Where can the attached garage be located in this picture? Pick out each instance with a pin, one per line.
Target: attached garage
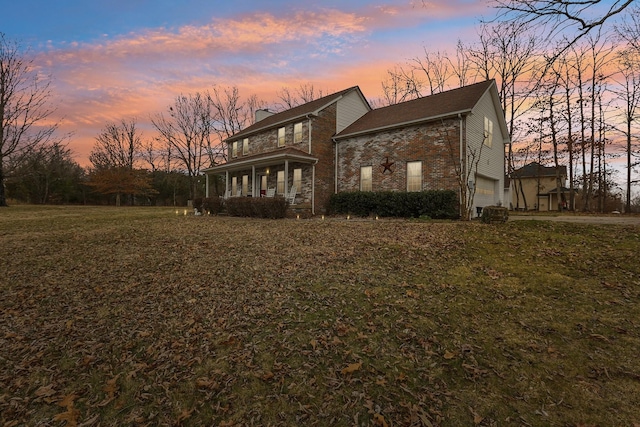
(486, 192)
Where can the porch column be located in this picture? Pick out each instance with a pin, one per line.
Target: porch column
(286, 177)
(206, 188)
(226, 183)
(253, 181)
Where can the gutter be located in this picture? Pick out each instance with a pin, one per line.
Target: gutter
(404, 124)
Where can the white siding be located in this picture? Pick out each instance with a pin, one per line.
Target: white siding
(350, 108)
(490, 172)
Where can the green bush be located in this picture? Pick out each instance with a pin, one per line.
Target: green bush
(441, 204)
(258, 207)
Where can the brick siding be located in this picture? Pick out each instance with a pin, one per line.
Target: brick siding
(437, 145)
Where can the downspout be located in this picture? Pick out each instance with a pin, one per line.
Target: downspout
(463, 169)
(309, 119)
(206, 190)
(335, 164)
(313, 188)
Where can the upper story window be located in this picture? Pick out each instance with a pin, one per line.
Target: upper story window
(366, 183)
(414, 176)
(488, 132)
(234, 149)
(297, 132)
(281, 140)
(245, 146)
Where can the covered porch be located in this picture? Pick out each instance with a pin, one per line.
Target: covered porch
(549, 201)
(286, 172)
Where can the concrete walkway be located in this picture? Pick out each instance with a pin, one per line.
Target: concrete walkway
(583, 219)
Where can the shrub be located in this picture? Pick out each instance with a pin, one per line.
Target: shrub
(258, 207)
(212, 205)
(440, 204)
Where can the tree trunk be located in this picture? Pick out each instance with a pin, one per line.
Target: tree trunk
(3, 197)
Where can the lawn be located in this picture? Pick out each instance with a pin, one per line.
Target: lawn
(139, 316)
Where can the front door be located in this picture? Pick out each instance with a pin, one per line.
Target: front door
(263, 186)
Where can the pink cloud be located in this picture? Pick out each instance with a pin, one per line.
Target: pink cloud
(139, 74)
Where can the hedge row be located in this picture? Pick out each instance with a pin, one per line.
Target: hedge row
(257, 207)
(434, 204)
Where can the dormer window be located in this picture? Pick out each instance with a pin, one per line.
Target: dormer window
(245, 146)
(281, 139)
(297, 133)
(234, 149)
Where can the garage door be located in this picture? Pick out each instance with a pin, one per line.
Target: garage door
(485, 191)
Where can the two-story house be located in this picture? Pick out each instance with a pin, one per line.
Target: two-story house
(450, 140)
(534, 187)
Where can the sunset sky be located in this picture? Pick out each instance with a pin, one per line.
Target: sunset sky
(129, 58)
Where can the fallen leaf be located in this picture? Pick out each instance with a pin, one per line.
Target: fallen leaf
(67, 401)
(379, 420)
(111, 387)
(45, 391)
(448, 355)
(351, 368)
(477, 418)
(70, 416)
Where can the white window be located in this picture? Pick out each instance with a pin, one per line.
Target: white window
(245, 146)
(281, 139)
(488, 132)
(297, 132)
(414, 176)
(234, 149)
(245, 185)
(297, 179)
(365, 178)
(234, 185)
(280, 182)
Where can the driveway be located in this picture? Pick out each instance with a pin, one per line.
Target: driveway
(584, 219)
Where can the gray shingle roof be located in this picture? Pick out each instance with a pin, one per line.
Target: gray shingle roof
(291, 114)
(535, 169)
(461, 100)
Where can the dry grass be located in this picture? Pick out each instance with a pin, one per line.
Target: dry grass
(141, 317)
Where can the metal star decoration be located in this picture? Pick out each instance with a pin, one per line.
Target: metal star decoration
(387, 166)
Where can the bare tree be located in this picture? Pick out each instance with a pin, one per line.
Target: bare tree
(230, 114)
(556, 16)
(289, 98)
(510, 55)
(186, 132)
(400, 85)
(24, 107)
(629, 29)
(117, 145)
(436, 68)
(629, 95)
